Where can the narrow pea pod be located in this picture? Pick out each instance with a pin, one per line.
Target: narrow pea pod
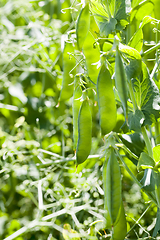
(157, 187)
(76, 107)
(92, 57)
(120, 228)
(121, 81)
(113, 184)
(82, 27)
(69, 63)
(84, 133)
(106, 101)
(107, 215)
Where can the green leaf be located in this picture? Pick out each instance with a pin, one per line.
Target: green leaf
(98, 10)
(156, 153)
(109, 16)
(145, 161)
(136, 40)
(133, 61)
(119, 9)
(107, 27)
(147, 96)
(157, 226)
(148, 180)
(136, 120)
(141, 10)
(134, 142)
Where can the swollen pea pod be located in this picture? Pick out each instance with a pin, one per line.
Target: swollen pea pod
(84, 133)
(76, 107)
(92, 57)
(119, 230)
(69, 63)
(106, 101)
(113, 185)
(82, 27)
(121, 81)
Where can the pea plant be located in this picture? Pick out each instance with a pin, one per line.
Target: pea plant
(111, 73)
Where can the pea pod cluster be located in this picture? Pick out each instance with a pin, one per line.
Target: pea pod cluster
(84, 133)
(106, 101)
(69, 71)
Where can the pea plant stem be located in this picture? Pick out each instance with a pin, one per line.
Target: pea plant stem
(132, 95)
(151, 49)
(147, 141)
(157, 133)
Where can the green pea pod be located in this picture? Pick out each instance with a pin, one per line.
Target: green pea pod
(120, 228)
(113, 183)
(106, 101)
(121, 81)
(84, 133)
(157, 187)
(69, 63)
(82, 27)
(92, 56)
(76, 107)
(107, 215)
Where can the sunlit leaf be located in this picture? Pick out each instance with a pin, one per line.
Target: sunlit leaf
(136, 120)
(145, 161)
(147, 96)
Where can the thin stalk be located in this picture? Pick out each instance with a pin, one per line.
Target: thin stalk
(139, 219)
(127, 150)
(63, 160)
(157, 133)
(147, 141)
(132, 95)
(151, 49)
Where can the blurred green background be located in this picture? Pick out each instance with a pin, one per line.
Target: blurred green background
(41, 192)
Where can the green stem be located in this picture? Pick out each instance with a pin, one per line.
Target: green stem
(127, 150)
(147, 141)
(157, 133)
(132, 95)
(151, 49)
